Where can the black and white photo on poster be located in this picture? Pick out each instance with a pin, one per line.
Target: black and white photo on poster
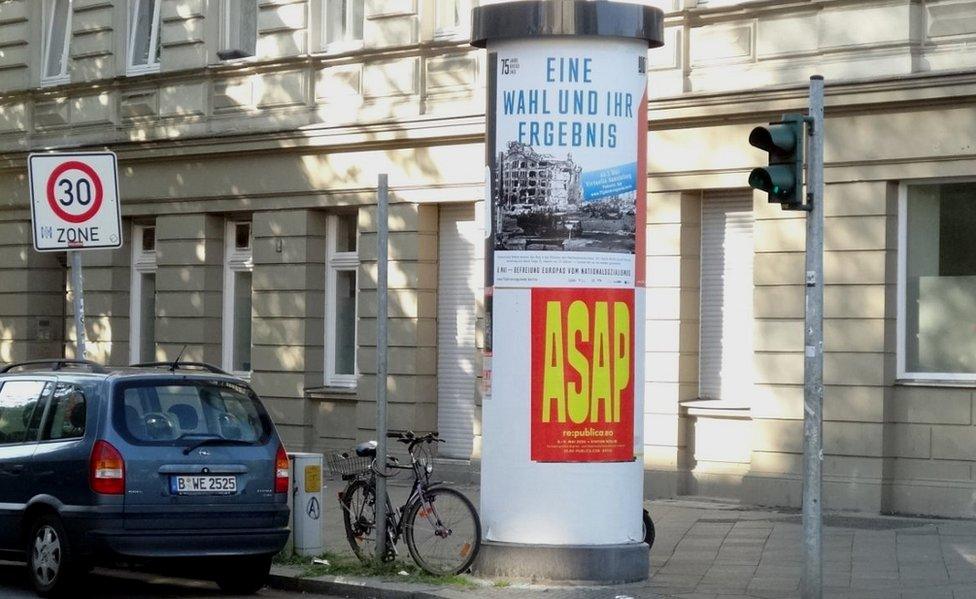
(541, 205)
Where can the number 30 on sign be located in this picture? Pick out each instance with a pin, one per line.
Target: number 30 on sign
(75, 201)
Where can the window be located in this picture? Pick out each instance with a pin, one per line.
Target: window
(342, 262)
(142, 296)
(343, 26)
(180, 414)
(937, 282)
(67, 414)
(239, 29)
(451, 18)
(57, 37)
(19, 411)
(144, 42)
(238, 266)
(726, 294)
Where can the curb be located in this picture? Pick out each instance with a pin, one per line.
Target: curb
(352, 589)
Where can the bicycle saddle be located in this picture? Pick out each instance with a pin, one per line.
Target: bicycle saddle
(366, 449)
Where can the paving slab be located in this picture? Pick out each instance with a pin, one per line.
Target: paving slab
(718, 549)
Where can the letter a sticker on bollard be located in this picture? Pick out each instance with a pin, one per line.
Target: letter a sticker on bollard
(75, 201)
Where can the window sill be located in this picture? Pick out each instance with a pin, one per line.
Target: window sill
(135, 71)
(923, 382)
(344, 393)
(716, 408)
(244, 376)
(451, 35)
(338, 48)
(55, 81)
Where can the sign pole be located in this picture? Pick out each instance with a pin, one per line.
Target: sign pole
(78, 299)
(813, 354)
(382, 236)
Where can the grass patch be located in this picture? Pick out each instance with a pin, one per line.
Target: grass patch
(349, 565)
(501, 584)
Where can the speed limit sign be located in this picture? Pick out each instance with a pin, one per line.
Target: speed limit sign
(75, 201)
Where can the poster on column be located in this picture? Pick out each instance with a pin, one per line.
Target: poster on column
(582, 379)
(569, 163)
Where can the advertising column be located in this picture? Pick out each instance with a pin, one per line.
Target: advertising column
(566, 144)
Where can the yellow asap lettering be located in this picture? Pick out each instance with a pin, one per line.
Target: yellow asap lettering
(603, 373)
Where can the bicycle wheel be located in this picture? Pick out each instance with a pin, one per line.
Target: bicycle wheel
(359, 517)
(648, 529)
(443, 534)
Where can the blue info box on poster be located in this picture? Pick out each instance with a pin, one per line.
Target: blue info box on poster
(609, 182)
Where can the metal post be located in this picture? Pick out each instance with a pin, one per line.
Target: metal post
(78, 299)
(382, 237)
(813, 355)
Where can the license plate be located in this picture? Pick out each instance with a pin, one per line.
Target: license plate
(203, 485)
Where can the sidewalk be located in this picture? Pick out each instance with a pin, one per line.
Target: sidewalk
(707, 549)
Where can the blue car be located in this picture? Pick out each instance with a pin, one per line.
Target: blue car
(175, 461)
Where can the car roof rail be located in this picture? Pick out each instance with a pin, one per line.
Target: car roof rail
(56, 364)
(174, 366)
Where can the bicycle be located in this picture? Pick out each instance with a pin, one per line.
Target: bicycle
(440, 525)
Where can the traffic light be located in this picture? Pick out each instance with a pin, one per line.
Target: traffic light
(783, 178)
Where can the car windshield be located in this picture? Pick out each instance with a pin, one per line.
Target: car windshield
(186, 412)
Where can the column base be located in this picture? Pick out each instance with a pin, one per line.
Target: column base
(596, 564)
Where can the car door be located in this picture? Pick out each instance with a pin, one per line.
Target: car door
(59, 465)
(21, 406)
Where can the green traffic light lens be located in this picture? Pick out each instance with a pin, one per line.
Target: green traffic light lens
(759, 179)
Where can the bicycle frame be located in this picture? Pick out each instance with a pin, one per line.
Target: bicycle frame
(421, 483)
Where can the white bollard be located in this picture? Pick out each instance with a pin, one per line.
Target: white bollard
(306, 503)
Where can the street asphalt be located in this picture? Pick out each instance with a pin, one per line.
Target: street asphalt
(119, 584)
(705, 549)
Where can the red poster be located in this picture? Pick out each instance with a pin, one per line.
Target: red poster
(582, 375)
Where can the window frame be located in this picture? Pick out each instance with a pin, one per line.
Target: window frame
(903, 375)
(229, 30)
(236, 260)
(335, 262)
(143, 263)
(152, 61)
(343, 45)
(456, 32)
(47, 20)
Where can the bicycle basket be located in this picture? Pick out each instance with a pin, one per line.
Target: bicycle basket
(348, 464)
(425, 454)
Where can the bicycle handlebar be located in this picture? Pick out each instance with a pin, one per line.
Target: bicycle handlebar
(410, 437)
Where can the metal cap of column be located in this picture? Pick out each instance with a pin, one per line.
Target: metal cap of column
(536, 18)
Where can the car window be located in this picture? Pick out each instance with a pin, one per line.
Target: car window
(19, 401)
(187, 411)
(67, 414)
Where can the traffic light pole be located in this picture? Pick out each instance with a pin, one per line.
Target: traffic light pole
(382, 306)
(813, 353)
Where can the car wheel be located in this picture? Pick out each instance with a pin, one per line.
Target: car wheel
(244, 576)
(49, 557)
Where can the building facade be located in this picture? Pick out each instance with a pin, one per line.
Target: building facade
(250, 134)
